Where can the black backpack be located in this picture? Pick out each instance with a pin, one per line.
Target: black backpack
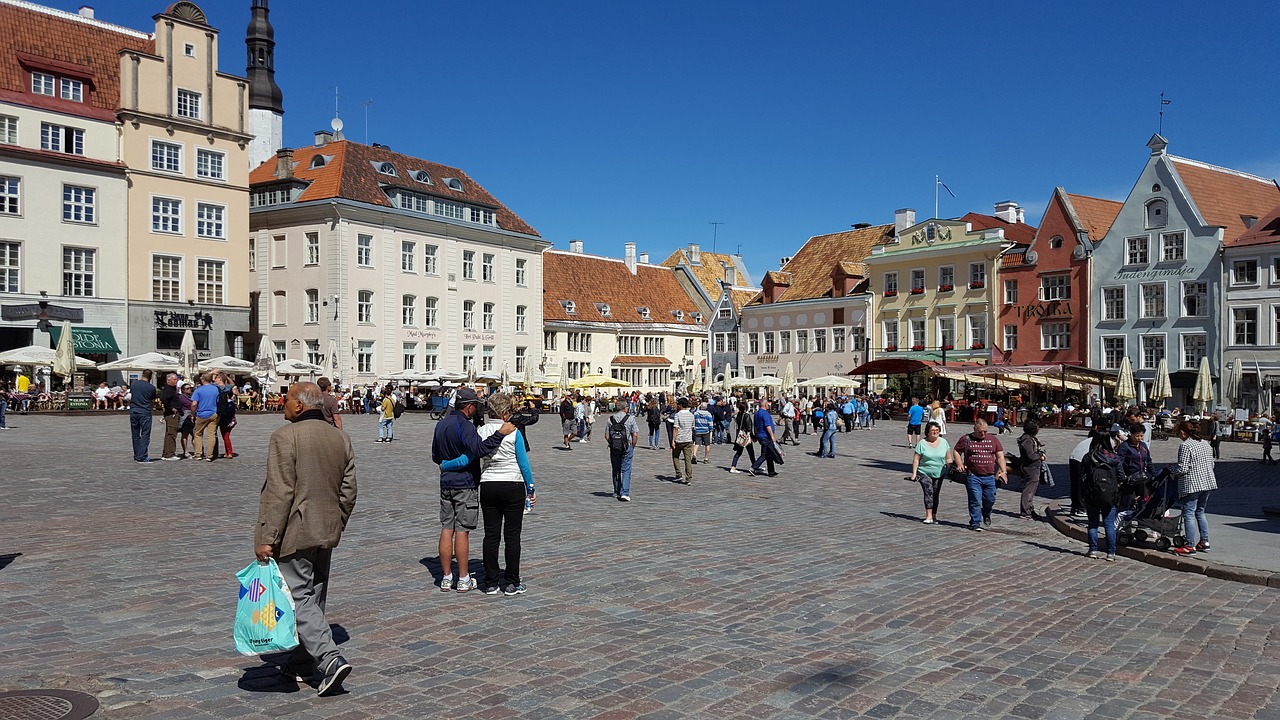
(226, 406)
(1101, 483)
(618, 440)
(397, 409)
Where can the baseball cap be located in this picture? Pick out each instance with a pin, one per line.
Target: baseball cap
(466, 395)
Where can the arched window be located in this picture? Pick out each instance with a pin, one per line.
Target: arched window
(1157, 213)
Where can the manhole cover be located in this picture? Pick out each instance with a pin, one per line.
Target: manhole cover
(46, 705)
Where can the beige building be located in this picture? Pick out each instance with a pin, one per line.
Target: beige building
(184, 137)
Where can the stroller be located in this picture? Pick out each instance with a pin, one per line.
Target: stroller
(1150, 512)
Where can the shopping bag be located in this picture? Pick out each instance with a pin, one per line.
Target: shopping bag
(264, 613)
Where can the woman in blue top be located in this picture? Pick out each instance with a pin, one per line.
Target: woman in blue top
(932, 454)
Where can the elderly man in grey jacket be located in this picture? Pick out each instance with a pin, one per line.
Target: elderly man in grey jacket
(304, 506)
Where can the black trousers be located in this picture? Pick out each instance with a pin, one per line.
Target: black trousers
(1077, 485)
(502, 507)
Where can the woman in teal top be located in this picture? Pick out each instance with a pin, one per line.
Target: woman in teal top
(932, 454)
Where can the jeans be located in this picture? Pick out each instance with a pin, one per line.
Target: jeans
(621, 463)
(982, 497)
(767, 449)
(827, 445)
(1096, 518)
(4, 406)
(1194, 523)
(140, 430)
(502, 505)
(386, 428)
(653, 437)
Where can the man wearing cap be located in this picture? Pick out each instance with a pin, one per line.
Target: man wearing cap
(457, 448)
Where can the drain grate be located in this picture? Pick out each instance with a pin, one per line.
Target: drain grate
(46, 705)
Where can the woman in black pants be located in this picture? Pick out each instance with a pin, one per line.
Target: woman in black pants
(743, 421)
(504, 486)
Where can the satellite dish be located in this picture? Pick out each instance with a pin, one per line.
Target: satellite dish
(336, 124)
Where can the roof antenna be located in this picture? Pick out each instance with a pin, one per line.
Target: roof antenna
(336, 123)
(366, 104)
(1163, 102)
(715, 232)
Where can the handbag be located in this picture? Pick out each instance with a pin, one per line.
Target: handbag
(743, 439)
(954, 475)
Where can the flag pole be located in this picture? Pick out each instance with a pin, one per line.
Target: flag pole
(936, 180)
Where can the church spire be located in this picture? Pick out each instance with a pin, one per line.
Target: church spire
(264, 94)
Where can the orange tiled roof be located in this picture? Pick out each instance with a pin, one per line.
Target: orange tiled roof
(1096, 214)
(591, 279)
(740, 297)
(640, 360)
(349, 172)
(708, 272)
(60, 42)
(809, 272)
(1225, 197)
(1013, 232)
(1013, 259)
(1266, 230)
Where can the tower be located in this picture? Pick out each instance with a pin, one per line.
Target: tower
(266, 102)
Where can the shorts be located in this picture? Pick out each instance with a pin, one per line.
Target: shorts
(913, 429)
(459, 508)
(570, 427)
(702, 439)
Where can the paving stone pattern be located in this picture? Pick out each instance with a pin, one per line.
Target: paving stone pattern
(814, 594)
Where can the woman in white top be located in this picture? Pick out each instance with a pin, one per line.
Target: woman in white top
(939, 415)
(505, 483)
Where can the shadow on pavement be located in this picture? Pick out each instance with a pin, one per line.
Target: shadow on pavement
(475, 568)
(1269, 526)
(7, 559)
(340, 634)
(266, 679)
(1053, 548)
(897, 467)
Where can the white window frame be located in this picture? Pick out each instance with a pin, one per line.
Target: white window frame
(918, 281)
(44, 84)
(1055, 336)
(487, 272)
(1164, 300)
(1132, 256)
(8, 130)
(188, 104)
(946, 276)
(978, 273)
(522, 318)
(364, 250)
(1143, 361)
(11, 195)
(312, 296)
(171, 151)
(160, 219)
(522, 272)
(1182, 299)
(431, 312)
(971, 325)
(892, 337)
(207, 161)
(218, 287)
(408, 311)
(177, 282)
(1102, 349)
(85, 205)
(365, 357)
(1181, 246)
(487, 316)
(214, 226)
(1011, 291)
(1257, 325)
(891, 282)
(1124, 303)
(1182, 347)
(61, 138)
(364, 307)
(469, 315)
(469, 265)
(950, 321)
(409, 355)
(1059, 290)
(1257, 265)
(89, 277)
(10, 266)
(918, 328)
(431, 259)
(311, 243)
(1010, 338)
(408, 256)
(71, 89)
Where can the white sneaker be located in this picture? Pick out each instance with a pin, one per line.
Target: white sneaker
(735, 471)
(625, 498)
(466, 583)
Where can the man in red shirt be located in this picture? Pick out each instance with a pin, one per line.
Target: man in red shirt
(982, 457)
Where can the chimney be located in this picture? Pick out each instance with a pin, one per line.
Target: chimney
(575, 246)
(782, 261)
(695, 254)
(284, 163)
(323, 137)
(86, 11)
(631, 257)
(644, 258)
(903, 219)
(730, 274)
(1009, 211)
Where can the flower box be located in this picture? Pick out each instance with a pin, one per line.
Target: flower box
(948, 347)
(890, 293)
(977, 346)
(917, 348)
(977, 285)
(890, 348)
(917, 291)
(946, 288)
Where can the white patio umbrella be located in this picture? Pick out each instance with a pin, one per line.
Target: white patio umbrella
(36, 355)
(227, 363)
(1161, 389)
(188, 348)
(265, 364)
(145, 361)
(727, 374)
(1124, 381)
(564, 376)
(1230, 386)
(1203, 392)
(64, 359)
(789, 378)
(297, 368)
(406, 376)
(831, 381)
(594, 381)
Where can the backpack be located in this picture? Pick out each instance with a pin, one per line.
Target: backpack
(654, 416)
(397, 409)
(1101, 484)
(617, 436)
(226, 406)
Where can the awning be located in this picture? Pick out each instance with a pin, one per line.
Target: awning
(88, 339)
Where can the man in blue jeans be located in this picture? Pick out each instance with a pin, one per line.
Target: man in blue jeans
(982, 457)
(620, 459)
(142, 393)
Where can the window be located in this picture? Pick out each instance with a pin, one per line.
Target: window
(78, 204)
(313, 353)
(977, 331)
(890, 335)
(1055, 336)
(364, 357)
(719, 338)
(919, 338)
(166, 215)
(784, 342)
(10, 195)
(429, 260)
(977, 275)
(9, 266)
(1112, 352)
(364, 250)
(1055, 242)
(857, 338)
(72, 90)
(210, 165)
(1136, 251)
(386, 168)
(1244, 272)
(279, 251)
(549, 340)
(725, 313)
(166, 278)
(409, 355)
(468, 265)
(486, 317)
(891, 283)
(469, 315)
(1244, 324)
(408, 251)
(581, 342)
(408, 304)
(449, 209)
(486, 358)
(837, 340)
(313, 306)
(209, 221)
(58, 138)
(77, 271)
(1275, 309)
(768, 343)
(1195, 298)
(8, 130)
(688, 348)
(802, 341)
(819, 340)
(1010, 337)
(1055, 287)
(431, 357)
(522, 318)
(521, 272)
(947, 332)
(480, 215)
(521, 359)
(946, 277)
(1010, 292)
(209, 274)
(42, 83)
(486, 268)
(628, 345)
(1113, 303)
(364, 307)
(1152, 351)
(190, 51)
(188, 104)
(1157, 213)
(313, 248)
(165, 156)
(753, 343)
(1173, 247)
(281, 355)
(917, 281)
(430, 316)
(1153, 300)
(280, 315)
(1194, 347)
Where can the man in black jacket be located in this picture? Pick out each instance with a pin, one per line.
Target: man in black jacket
(172, 416)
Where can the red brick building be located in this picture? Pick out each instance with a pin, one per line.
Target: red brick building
(1044, 285)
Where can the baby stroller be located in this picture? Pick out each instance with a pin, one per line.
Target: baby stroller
(1150, 512)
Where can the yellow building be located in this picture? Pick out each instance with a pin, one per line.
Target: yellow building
(184, 140)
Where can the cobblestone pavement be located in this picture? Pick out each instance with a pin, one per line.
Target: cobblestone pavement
(814, 594)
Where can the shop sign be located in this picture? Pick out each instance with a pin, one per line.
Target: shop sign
(1052, 308)
(423, 334)
(480, 337)
(1157, 273)
(195, 320)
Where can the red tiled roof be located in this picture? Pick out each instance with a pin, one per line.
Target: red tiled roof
(1266, 230)
(1013, 232)
(64, 43)
(709, 272)
(808, 273)
(640, 360)
(1013, 259)
(1095, 214)
(591, 279)
(350, 173)
(1225, 197)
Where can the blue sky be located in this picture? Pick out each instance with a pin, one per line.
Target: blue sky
(613, 122)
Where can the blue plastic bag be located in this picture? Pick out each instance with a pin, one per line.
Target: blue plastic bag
(264, 613)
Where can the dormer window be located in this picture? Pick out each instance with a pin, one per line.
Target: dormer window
(422, 177)
(1055, 242)
(387, 168)
(679, 315)
(453, 184)
(42, 83)
(569, 306)
(318, 161)
(1157, 213)
(604, 309)
(644, 313)
(72, 90)
(697, 317)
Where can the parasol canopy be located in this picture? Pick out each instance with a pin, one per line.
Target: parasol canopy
(297, 368)
(36, 355)
(145, 361)
(594, 380)
(1124, 382)
(1203, 392)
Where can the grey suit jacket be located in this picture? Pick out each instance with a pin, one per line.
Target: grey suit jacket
(310, 488)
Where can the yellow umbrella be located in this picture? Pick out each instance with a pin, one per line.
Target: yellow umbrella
(594, 381)
(1124, 382)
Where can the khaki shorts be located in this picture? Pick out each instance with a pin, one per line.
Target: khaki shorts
(459, 509)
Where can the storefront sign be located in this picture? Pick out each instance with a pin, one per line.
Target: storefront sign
(195, 320)
(480, 337)
(1158, 273)
(1053, 308)
(423, 334)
